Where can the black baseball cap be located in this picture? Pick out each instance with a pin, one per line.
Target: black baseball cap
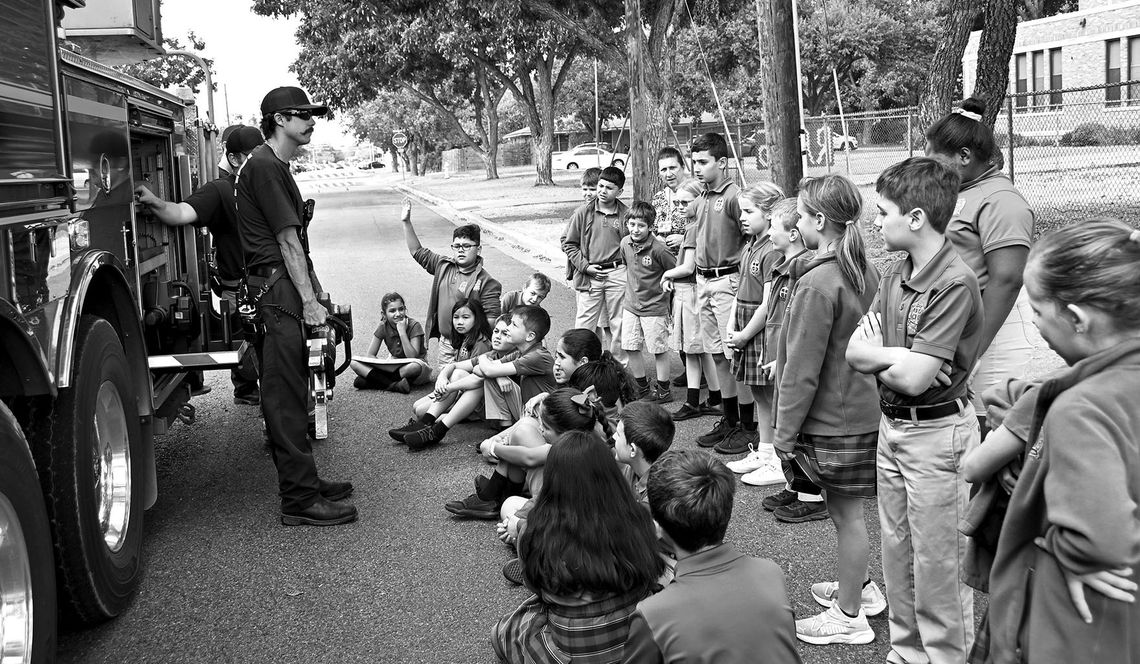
(242, 138)
(290, 98)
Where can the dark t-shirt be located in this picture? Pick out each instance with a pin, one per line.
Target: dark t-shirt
(268, 201)
(213, 202)
(388, 334)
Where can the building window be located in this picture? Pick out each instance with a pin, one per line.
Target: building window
(1021, 76)
(1134, 69)
(1038, 59)
(1112, 73)
(1055, 82)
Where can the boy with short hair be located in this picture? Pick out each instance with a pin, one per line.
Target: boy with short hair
(592, 240)
(455, 279)
(532, 294)
(718, 248)
(644, 432)
(925, 324)
(645, 305)
(529, 370)
(589, 183)
(745, 613)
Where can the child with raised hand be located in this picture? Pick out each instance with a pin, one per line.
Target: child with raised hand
(644, 432)
(404, 339)
(532, 294)
(827, 417)
(564, 409)
(1063, 579)
(920, 339)
(687, 338)
(761, 467)
(645, 305)
(457, 394)
(746, 334)
(723, 606)
(590, 556)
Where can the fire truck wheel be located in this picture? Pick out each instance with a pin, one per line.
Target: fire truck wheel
(95, 480)
(28, 627)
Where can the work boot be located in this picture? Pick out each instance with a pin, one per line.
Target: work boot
(323, 512)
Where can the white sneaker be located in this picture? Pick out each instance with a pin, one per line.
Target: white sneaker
(872, 601)
(769, 473)
(833, 626)
(758, 455)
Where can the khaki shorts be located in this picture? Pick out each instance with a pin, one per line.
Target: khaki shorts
(650, 332)
(715, 297)
(686, 336)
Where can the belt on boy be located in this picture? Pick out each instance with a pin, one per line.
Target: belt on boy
(922, 413)
(608, 266)
(714, 272)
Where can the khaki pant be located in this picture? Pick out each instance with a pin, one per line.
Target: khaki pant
(922, 498)
(603, 295)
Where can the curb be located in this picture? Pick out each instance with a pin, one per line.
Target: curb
(540, 256)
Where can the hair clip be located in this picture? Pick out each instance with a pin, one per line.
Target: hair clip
(1134, 236)
(586, 401)
(968, 114)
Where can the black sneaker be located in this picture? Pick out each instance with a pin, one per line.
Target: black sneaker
(737, 442)
(681, 381)
(513, 572)
(253, 399)
(799, 512)
(421, 439)
(719, 432)
(643, 393)
(398, 433)
(687, 411)
(474, 507)
(706, 409)
(777, 500)
(663, 393)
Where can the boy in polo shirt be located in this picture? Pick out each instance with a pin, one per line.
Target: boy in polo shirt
(719, 244)
(532, 294)
(591, 244)
(924, 325)
(744, 613)
(646, 308)
(455, 279)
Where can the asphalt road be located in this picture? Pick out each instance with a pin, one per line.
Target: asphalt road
(225, 582)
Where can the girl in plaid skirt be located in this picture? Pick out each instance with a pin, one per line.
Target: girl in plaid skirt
(589, 554)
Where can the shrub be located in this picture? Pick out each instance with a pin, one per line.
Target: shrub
(891, 131)
(1087, 133)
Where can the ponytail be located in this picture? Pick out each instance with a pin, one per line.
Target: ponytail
(608, 377)
(570, 409)
(841, 204)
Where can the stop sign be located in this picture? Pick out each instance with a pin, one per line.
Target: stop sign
(399, 140)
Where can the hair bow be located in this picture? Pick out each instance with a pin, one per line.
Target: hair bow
(587, 401)
(968, 114)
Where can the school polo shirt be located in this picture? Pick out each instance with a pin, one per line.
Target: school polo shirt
(534, 371)
(690, 242)
(937, 312)
(756, 263)
(779, 294)
(268, 201)
(990, 214)
(388, 334)
(644, 265)
(592, 237)
(719, 239)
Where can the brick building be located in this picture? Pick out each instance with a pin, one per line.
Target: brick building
(1097, 45)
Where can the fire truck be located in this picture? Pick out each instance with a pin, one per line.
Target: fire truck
(104, 311)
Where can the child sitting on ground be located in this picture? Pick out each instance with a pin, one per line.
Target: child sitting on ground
(455, 381)
(564, 409)
(532, 294)
(589, 557)
(744, 609)
(404, 339)
(644, 432)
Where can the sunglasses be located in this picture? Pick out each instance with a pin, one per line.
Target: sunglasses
(303, 115)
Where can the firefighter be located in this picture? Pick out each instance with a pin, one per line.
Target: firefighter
(273, 220)
(212, 206)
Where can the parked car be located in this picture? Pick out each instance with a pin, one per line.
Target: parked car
(586, 157)
(603, 145)
(754, 144)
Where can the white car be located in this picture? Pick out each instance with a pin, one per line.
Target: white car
(587, 156)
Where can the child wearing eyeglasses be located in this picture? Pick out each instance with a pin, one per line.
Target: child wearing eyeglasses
(456, 278)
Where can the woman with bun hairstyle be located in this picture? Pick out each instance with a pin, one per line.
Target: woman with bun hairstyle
(992, 229)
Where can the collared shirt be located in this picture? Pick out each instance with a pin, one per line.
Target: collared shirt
(778, 297)
(534, 370)
(756, 263)
(936, 311)
(744, 614)
(671, 218)
(387, 333)
(592, 237)
(719, 239)
(990, 214)
(644, 265)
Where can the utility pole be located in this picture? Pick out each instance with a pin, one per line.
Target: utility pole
(779, 75)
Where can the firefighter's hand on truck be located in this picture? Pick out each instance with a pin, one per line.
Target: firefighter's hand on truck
(146, 196)
(314, 312)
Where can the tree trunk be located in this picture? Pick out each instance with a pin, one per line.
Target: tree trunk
(774, 22)
(994, 54)
(542, 125)
(946, 65)
(650, 99)
(395, 159)
(488, 106)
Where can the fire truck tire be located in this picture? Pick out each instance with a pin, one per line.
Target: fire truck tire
(27, 576)
(95, 480)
